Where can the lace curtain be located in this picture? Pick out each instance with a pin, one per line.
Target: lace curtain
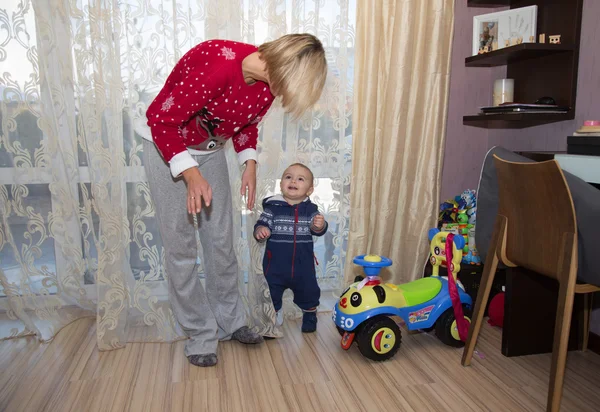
(78, 231)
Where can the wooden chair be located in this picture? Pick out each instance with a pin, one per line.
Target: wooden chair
(536, 229)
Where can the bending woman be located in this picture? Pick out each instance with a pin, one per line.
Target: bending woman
(219, 90)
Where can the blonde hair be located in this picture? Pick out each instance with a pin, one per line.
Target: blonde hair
(297, 70)
(312, 178)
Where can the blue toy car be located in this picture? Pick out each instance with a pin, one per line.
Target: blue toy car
(364, 311)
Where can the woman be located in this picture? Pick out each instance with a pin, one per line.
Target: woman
(219, 90)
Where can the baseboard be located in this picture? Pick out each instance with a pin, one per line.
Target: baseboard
(594, 343)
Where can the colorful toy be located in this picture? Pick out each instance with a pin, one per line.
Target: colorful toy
(462, 227)
(364, 311)
(450, 209)
(472, 257)
(468, 196)
(464, 217)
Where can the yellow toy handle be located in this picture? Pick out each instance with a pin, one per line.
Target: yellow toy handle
(438, 252)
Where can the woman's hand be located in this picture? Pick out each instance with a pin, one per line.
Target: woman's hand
(249, 183)
(198, 188)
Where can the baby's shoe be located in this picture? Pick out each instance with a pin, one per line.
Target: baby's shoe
(309, 321)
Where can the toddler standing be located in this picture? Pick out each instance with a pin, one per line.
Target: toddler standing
(288, 223)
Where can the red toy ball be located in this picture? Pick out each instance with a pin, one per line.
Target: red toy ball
(496, 310)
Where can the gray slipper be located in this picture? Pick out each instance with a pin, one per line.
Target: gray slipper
(209, 359)
(247, 335)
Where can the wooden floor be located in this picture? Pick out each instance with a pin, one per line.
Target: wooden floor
(296, 373)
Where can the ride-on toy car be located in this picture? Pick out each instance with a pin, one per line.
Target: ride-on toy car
(364, 311)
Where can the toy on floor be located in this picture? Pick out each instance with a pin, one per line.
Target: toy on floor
(364, 311)
(496, 310)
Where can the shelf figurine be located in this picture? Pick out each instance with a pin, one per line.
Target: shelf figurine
(531, 39)
(543, 38)
(554, 39)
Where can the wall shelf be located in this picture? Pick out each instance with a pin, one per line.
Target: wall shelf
(488, 3)
(515, 120)
(518, 52)
(538, 69)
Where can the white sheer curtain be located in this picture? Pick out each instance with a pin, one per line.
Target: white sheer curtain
(78, 233)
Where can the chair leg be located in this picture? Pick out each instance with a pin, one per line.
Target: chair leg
(587, 311)
(487, 279)
(564, 311)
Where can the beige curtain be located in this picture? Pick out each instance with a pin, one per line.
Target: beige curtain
(78, 230)
(403, 50)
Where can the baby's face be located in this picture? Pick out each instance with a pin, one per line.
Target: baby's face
(296, 183)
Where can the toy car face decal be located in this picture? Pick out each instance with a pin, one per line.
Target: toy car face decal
(380, 292)
(355, 299)
(369, 297)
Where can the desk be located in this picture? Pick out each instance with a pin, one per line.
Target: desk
(584, 167)
(530, 302)
(529, 318)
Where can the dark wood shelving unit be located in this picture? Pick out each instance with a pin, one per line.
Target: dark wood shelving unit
(519, 52)
(515, 120)
(539, 69)
(488, 3)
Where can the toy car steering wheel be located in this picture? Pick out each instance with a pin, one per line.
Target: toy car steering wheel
(372, 264)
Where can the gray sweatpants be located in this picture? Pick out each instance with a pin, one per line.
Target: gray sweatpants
(205, 316)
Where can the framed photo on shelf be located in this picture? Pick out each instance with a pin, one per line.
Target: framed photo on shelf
(494, 31)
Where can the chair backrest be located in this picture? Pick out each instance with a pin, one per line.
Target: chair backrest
(535, 199)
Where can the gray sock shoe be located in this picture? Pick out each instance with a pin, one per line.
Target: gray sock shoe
(246, 335)
(209, 359)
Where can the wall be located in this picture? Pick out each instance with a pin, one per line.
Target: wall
(470, 88)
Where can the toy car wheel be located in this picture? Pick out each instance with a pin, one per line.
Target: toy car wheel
(446, 329)
(379, 339)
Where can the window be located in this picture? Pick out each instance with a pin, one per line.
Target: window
(148, 47)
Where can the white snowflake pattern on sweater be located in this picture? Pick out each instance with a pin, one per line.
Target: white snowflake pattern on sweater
(167, 104)
(242, 139)
(228, 53)
(201, 93)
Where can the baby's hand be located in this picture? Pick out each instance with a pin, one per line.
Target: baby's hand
(262, 232)
(318, 222)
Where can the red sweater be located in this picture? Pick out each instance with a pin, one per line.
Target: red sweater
(205, 102)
